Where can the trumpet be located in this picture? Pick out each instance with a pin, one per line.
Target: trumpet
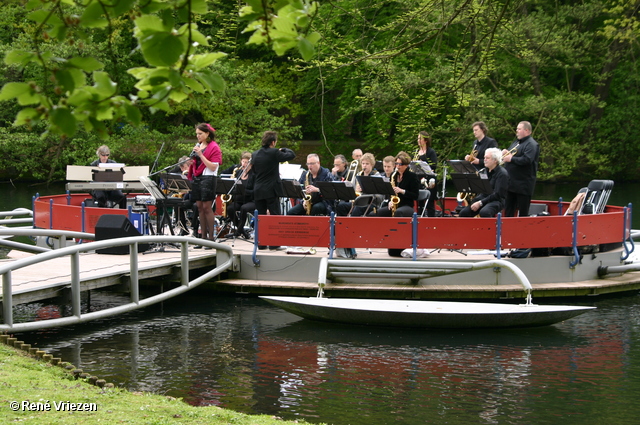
(473, 155)
(509, 152)
(395, 199)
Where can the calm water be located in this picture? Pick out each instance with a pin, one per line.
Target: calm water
(243, 354)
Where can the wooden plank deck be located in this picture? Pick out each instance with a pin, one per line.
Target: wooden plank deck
(49, 278)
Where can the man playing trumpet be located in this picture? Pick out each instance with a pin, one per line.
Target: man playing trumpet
(522, 167)
(482, 143)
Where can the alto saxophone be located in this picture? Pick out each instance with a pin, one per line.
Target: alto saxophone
(307, 196)
(225, 197)
(395, 199)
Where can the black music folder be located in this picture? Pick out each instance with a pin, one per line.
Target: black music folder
(462, 167)
(472, 183)
(343, 191)
(375, 185)
(292, 189)
(229, 187)
(176, 182)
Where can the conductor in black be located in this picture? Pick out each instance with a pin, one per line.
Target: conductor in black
(266, 166)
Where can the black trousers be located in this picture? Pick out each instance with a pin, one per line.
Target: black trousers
(517, 202)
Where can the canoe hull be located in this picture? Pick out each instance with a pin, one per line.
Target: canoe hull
(426, 314)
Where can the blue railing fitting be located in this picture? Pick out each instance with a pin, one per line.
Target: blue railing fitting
(574, 242)
(414, 235)
(33, 208)
(256, 260)
(560, 205)
(332, 234)
(498, 234)
(50, 213)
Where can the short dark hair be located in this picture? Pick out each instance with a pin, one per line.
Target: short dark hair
(269, 137)
(482, 126)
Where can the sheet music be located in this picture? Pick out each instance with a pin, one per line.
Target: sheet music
(290, 171)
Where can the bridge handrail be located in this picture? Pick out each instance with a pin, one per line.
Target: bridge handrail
(445, 266)
(17, 211)
(136, 302)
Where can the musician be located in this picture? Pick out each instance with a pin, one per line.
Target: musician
(482, 143)
(356, 154)
(389, 165)
(522, 167)
(339, 169)
(249, 205)
(490, 204)
(267, 188)
(315, 173)
(406, 186)
(182, 167)
(427, 154)
(107, 198)
(368, 161)
(243, 172)
(202, 172)
(245, 159)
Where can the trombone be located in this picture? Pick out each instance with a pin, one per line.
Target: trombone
(352, 171)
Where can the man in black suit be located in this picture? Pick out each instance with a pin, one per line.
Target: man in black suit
(267, 188)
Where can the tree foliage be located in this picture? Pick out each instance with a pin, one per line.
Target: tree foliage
(366, 73)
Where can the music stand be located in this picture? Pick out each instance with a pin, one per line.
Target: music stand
(176, 182)
(376, 185)
(292, 189)
(160, 199)
(462, 167)
(471, 183)
(337, 190)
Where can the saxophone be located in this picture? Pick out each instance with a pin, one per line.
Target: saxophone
(395, 199)
(226, 198)
(307, 196)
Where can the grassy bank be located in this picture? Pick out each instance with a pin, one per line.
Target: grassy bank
(45, 393)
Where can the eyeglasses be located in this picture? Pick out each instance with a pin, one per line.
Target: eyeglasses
(311, 163)
(104, 154)
(400, 163)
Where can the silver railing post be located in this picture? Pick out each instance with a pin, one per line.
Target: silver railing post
(133, 273)
(184, 264)
(75, 285)
(7, 299)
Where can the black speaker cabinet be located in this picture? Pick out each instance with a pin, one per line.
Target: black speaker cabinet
(111, 226)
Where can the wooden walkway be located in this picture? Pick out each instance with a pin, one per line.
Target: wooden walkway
(292, 274)
(50, 278)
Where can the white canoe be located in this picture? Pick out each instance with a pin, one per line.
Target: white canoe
(425, 314)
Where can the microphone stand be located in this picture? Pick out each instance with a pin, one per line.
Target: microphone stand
(168, 168)
(155, 163)
(444, 184)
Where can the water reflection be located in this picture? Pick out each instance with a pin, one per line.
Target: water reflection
(249, 356)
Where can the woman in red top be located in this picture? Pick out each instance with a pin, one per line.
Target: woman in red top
(202, 172)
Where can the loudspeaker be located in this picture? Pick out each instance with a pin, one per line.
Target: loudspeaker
(111, 226)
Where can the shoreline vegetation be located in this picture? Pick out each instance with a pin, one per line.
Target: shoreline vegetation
(37, 388)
